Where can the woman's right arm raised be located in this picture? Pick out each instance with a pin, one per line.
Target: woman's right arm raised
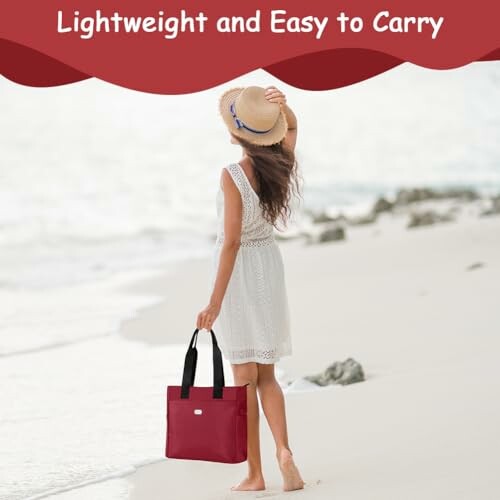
(275, 95)
(291, 135)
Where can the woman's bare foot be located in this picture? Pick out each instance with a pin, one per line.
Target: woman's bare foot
(291, 475)
(255, 484)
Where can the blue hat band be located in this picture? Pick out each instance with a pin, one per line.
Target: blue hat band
(240, 124)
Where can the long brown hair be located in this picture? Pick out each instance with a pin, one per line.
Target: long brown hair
(277, 178)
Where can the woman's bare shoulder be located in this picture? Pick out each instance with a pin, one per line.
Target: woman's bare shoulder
(226, 177)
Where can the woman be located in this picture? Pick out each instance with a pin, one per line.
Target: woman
(249, 299)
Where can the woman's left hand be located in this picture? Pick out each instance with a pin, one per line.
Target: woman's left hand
(207, 317)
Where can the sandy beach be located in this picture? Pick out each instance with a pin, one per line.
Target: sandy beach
(419, 310)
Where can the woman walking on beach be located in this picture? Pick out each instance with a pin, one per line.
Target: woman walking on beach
(249, 300)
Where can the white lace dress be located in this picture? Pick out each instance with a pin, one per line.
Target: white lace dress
(253, 324)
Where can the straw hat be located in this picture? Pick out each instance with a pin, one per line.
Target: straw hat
(249, 115)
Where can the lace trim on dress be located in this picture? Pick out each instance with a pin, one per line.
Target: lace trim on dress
(250, 243)
(262, 355)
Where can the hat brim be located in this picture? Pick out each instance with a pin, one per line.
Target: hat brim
(275, 135)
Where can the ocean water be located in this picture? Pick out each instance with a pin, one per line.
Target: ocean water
(95, 179)
(101, 186)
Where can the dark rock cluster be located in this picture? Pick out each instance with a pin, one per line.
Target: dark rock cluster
(406, 202)
(427, 218)
(407, 196)
(340, 372)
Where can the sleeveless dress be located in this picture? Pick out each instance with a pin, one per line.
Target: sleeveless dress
(254, 321)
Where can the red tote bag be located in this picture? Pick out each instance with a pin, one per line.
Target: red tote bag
(206, 423)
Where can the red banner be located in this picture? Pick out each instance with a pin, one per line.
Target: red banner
(172, 47)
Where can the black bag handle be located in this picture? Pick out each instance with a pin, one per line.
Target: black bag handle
(190, 367)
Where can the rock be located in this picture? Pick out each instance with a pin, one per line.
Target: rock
(362, 220)
(288, 236)
(455, 209)
(494, 208)
(421, 219)
(382, 205)
(427, 218)
(323, 217)
(464, 194)
(407, 196)
(339, 372)
(332, 233)
(476, 265)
